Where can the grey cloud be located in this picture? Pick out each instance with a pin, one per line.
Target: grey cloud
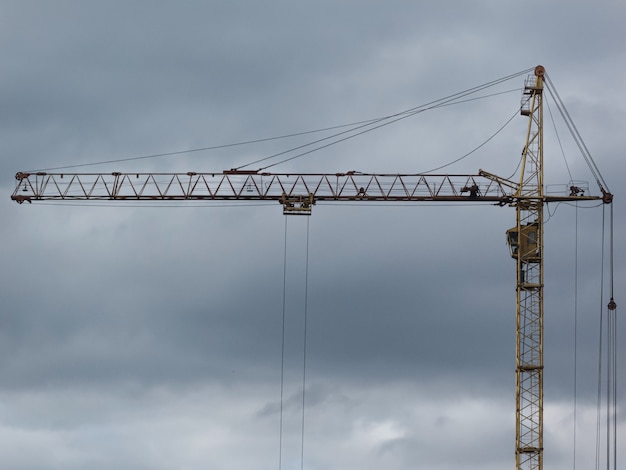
(151, 337)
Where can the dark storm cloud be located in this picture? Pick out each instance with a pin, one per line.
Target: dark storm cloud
(137, 337)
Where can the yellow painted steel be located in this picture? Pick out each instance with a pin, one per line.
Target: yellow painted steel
(526, 242)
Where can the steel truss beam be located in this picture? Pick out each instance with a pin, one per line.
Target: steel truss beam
(253, 186)
(529, 311)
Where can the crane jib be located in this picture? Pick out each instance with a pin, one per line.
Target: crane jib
(244, 185)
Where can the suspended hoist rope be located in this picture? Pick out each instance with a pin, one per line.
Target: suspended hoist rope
(611, 359)
(304, 346)
(611, 353)
(304, 350)
(575, 333)
(612, 313)
(282, 352)
(600, 349)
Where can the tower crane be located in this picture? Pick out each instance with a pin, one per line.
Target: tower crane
(299, 192)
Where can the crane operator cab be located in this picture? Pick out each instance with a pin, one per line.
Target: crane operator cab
(524, 244)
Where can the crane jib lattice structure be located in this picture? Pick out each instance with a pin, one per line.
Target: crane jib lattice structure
(298, 193)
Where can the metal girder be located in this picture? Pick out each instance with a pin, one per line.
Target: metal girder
(253, 186)
(530, 284)
(233, 185)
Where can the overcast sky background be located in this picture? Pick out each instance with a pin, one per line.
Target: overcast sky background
(141, 337)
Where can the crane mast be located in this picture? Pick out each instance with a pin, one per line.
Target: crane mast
(298, 193)
(526, 243)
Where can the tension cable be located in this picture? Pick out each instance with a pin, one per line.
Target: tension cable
(304, 345)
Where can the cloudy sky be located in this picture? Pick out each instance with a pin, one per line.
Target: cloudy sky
(151, 337)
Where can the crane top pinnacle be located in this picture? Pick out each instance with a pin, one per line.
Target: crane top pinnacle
(540, 71)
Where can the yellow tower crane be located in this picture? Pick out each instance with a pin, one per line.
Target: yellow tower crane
(298, 193)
